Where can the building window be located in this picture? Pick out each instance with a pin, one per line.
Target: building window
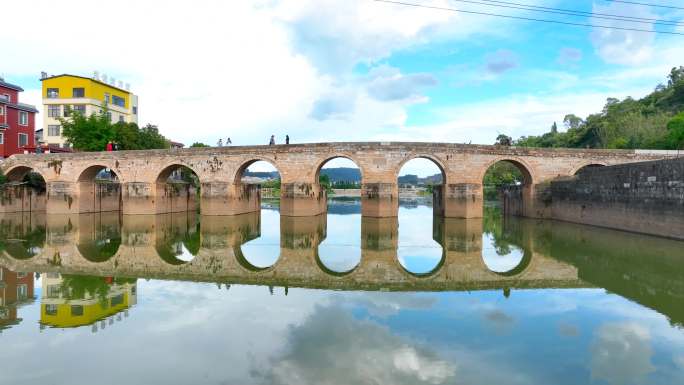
(50, 309)
(54, 110)
(21, 275)
(53, 130)
(2, 138)
(22, 292)
(2, 110)
(106, 99)
(119, 101)
(23, 140)
(121, 119)
(80, 108)
(109, 115)
(53, 291)
(53, 93)
(78, 93)
(77, 310)
(23, 118)
(135, 110)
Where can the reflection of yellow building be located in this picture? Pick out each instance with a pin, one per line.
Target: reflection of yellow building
(56, 310)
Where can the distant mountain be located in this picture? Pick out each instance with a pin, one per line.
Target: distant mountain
(342, 174)
(263, 174)
(416, 180)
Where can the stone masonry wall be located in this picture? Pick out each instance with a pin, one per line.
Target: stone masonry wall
(645, 197)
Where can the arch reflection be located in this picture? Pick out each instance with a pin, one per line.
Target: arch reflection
(420, 252)
(178, 237)
(340, 252)
(504, 245)
(262, 250)
(99, 237)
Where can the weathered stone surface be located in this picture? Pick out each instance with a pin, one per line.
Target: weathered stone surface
(219, 169)
(643, 197)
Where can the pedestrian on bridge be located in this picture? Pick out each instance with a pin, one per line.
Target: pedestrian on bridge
(228, 141)
(272, 141)
(287, 139)
(220, 143)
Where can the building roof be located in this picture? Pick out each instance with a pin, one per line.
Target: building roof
(10, 86)
(23, 107)
(176, 144)
(87, 78)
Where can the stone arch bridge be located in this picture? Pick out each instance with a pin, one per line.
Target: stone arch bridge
(143, 189)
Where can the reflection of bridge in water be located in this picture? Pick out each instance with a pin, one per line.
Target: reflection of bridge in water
(645, 269)
(150, 246)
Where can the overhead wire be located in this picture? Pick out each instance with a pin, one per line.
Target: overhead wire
(562, 11)
(647, 4)
(456, 10)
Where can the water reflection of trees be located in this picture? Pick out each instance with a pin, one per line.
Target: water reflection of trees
(21, 240)
(75, 287)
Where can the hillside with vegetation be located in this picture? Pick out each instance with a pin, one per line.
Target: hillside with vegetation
(655, 121)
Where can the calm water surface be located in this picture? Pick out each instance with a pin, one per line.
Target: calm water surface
(336, 299)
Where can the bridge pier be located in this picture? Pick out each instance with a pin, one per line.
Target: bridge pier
(138, 198)
(302, 199)
(380, 200)
(61, 198)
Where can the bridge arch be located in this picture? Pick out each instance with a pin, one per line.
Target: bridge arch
(525, 168)
(584, 166)
(244, 165)
(441, 165)
(176, 187)
(26, 191)
(17, 173)
(99, 189)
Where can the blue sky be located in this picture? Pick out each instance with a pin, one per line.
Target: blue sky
(355, 70)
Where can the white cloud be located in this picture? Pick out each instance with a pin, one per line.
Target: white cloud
(621, 353)
(389, 84)
(622, 46)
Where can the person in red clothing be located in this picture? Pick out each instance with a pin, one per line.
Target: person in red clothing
(109, 147)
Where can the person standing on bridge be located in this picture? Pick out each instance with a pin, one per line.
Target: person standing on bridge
(220, 143)
(272, 141)
(109, 146)
(228, 141)
(287, 139)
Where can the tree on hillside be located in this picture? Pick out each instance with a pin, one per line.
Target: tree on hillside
(675, 128)
(627, 123)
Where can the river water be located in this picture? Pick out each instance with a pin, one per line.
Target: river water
(336, 299)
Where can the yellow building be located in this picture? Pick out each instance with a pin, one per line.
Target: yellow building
(57, 310)
(65, 93)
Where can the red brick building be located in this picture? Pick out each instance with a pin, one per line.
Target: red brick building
(17, 121)
(16, 289)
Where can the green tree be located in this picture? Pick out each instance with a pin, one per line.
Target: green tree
(92, 133)
(89, 133)
(504, 140)
(675, 128)
(198, 144)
